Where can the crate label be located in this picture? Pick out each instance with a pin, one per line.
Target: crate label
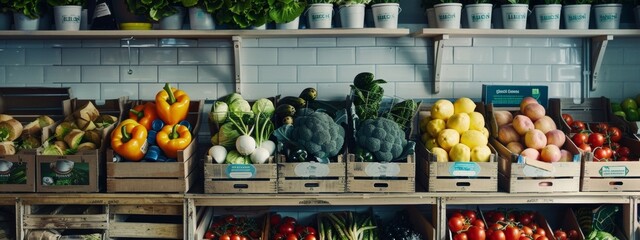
(382, 169)
(464, 169)
(311, 169)
(614, 171)
(241, 171)
(13, 172)
(511, 96)
(64, 173)
(530, 171)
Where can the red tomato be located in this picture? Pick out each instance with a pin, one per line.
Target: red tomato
(275, 219)
(496, 226)
(623, 159)
(567, 118)
(577, 126)
(476, 233)
(541, 231)
(560, 235)
(292, 236)
(460, 236)
(497, 235)
(310, 237)
(600, 153)
(527, 231)
(229, 219)
(614, 134)
(455, 224)
(286, 228)
(209, 235)
(524, 238)
(585, 147)
(225, 237)
(512, 233)
(599, 127)
(243, 238)
(580, 138)
(457, 214)
(278, 236)
(542, 238)
(498, 216)
(235, 237)
(596, 139)
(289, 220)
(470, 215)
(511, 217)
(310, 230)
(623, 152)
(478, 222)
(573, 234)
(299, 229)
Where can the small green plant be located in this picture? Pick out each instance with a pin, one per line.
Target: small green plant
(321, 1)
(154, 10)
(243, 14)
(552, 1)
(284, 11)
(31, 8)
(351, 2)
(210, 6)
(66, 2)
(385, 1)
(518, 1)
(572, 2)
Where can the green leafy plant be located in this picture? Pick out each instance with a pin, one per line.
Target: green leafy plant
(321, 1)
(351, 2)
(66, 2)
(385, 1)
(518, 1)
(572, 2)
(243, 13)
(154, 10)
(31, 8)
(552, 1)
(284, 11)
(210, 6)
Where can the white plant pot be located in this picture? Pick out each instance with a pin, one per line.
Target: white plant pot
(637, 13)
(25, 23)
(319, 15)
(352, 16)
(548, 16)
(173, 22)
(5, 20)
(385, 15)
(479, 15)
(448, 15)
(577, 16)
(431, 17)
(261, 27)
(607, 16)
(294, 24)
(200, 19)
(67, 18)
(514, 16)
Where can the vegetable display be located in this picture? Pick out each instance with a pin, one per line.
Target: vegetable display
(144, 114)
(173, 138)
(233, 227)
(14, 136)
(513, 224)
(130, 141)
(381, 137)
(598, 222)
(318, 134)
(601, 139)
(288, 228)
(466, 224)
(172, 105)
(347, 225)
(399, 228)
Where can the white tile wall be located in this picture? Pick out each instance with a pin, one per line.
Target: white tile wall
(24, 74)
(336, 56)
(276, 74)
(215, 73)
(158, 56)
(472, 55)
(346, 73)
(297, 56)
(62, 74)
(62, 43)
(99, 74)
(375, 55)
(317, 74)
(44, 56)
(118, 56)
(139, 74)
(81, 56)
(12, 56)
(317, 42)
(197, 56)
(183, 74)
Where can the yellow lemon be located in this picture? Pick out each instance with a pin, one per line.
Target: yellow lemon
(430, 144)
(459, 122)
(477, 121)
(448, 138)
(473, 138)
(460, 153)
(435, 126)
(480, 154)
(485, 132)
(442, 109)
(440, 154)
(423, 124)
(424, 137)
(463, 105)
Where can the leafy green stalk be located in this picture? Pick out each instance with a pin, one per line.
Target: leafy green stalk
(154, 10)
(385, 1)
(66, 2)
(351, 2)
(31, 8)
(284, 11)
(321, 1)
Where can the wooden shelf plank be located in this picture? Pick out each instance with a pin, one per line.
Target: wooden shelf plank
(102, 199)
(466, 32)
(311, 199)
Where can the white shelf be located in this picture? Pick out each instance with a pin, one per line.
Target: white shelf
(466, 32)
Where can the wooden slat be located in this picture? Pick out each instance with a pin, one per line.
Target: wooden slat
(241, 186)
(219, 171)
(97, 221)
(312, 185)
(461, 185)
(145, 230)
(382, 185)
(149, 170)
(146, 185)
(331, 181)
(146, 209)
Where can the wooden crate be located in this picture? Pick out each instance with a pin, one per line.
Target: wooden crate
(241, 178)
(365, 177)
(623, 176)
(27, 103)
(65, 217)
(21, 175)
(158, 177)
(311, 177)
(146, 221)
(436, 176)
(591, 110)
(205, 217)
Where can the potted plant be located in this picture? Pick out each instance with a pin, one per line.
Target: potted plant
(244, 14)
(201, 13)
(320, 13)
(352, 13)
(607, 13)
(385, 13)
(169, 13)
(514, 14)
(67, 13)
(479, 14)
(286, 13)
(448, 13)
(547, 14)
(26, 13)
(577, 13)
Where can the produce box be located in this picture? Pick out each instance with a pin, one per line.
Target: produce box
(208, 216)
(83, 171)
(18, 171)
(311, 177)
(592, 110)
(519, 174)
(520, 216)
(435, 176)
(366, 177)
(607, 218)
(146, 222)
(241, 178)
(90, 217)
(165, 177)
(612, 176)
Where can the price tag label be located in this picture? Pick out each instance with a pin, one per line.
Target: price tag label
(311, 169)
(464, 169)
(241, 171)
(613, 171)
(382, 169)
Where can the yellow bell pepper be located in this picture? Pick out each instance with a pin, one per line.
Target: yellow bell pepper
(172, 105)
(173, 138)
(130, 141)
(144, 114)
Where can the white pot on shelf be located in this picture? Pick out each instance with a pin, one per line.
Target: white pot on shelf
(25, 23)
(548, 16)
(352, 16)
(385, 15)
(607, 16)
(67, 18)
(199, 19)
(294, 24)
(448, 15)
(175, 21)
(577, 16)
(479, 15)
(319, 15)
(514, 16)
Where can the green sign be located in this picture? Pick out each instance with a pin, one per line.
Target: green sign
(13, 172)
(62, 173)
(613, 171)
(511, 96)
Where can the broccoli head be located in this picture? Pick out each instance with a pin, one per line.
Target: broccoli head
(318, 134)
(382, 137)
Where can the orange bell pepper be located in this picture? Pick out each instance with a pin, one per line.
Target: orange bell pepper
(144, 114)
(173, 138)
(172, 105)
(130, 141)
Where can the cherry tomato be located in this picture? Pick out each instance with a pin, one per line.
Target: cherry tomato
(289, 220)
(310, 230)
(524, 238)
(542, 238)
(527, 231)
(497, 235)
(496, 226)
(286, 228)
(622, 159)
(567, 118)
(243, 238)
(478, 223)
(596, 139)
(573, 234)
(455, 224)
(577, 126)
(469, 215)
(292, 236)
(457, 214)
(460, 236)
(476, 233)
(278, 236)
(235, 237)
(600, 154)
(560, 234)
(511, 217)
(614, 134)
(230, 219)
(497, 217)
(599, 127)
(209, 235)
(275, 219)
(541, 231)
(623, 152)
(309, 237)
(580, 138)
(585, 147)
(225, 237)
(512, 233)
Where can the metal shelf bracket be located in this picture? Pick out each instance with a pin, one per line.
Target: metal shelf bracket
(237, 53)
(438, 49)
(598, 47)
